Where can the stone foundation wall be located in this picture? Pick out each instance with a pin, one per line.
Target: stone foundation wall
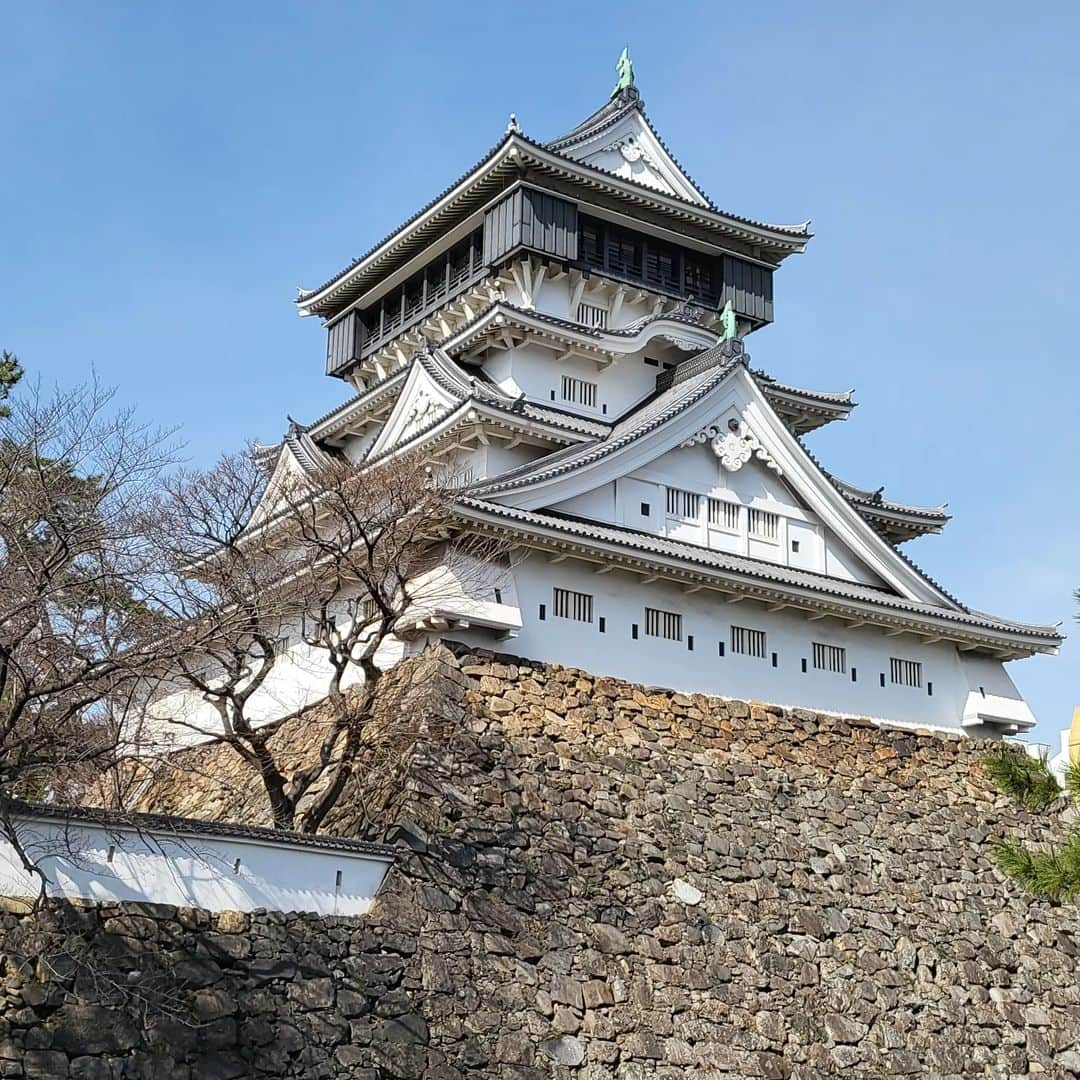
(598, 881)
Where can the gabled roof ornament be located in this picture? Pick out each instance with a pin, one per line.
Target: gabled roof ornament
(513, 127)
(624, 68)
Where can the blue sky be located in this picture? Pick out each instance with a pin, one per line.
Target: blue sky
(172, 173)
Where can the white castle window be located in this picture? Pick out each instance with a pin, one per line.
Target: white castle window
(567, 604)
(905, 672)
(724, 515)
(280, 647)
(579, 391)
(748, 642)
(763, 524)
(683, 504)
(663, 624)
(592, 315)
(830, 658)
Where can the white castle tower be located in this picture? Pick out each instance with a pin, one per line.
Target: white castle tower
(565, 324)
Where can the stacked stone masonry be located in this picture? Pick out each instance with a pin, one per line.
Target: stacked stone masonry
(595, 880)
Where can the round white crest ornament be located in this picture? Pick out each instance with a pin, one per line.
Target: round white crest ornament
(631, 151)
(733, 450)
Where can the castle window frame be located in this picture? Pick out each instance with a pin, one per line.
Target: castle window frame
(725, 515)
(579, 391)
(903, 672)
(746, 641)
(684, 505)
(830, 658)
(663, 624)
(763, 525)
(570, 604)
(592, 315)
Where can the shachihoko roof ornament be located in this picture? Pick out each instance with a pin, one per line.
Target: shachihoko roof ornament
(624, 68)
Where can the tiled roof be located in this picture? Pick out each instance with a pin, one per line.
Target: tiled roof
(843, 397)
(876, 500)
(900, 554)
(452, 378)
(303, 294)
(607, 116)
(483, 393)
(304, 448)
(770, 572)
(369, 392)
(166, 823)
(714, 364)
(798, 232)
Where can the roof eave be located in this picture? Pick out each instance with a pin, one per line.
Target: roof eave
(1015, 642)
(514, 148)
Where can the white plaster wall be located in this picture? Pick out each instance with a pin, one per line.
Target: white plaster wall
(356, 446)
(533, 370)
(992, 695)
(493, 460)
(94, 862)
(620, 600)
(298, 679)
(697, 469)
(555, 296)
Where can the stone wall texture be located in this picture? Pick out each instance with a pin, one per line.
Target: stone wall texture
(595, 880)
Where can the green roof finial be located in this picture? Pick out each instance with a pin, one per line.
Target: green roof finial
(728, 326)
(625, 70)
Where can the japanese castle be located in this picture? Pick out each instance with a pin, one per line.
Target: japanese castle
(566, 325)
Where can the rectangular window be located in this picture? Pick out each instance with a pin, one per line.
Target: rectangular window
(579, 391)
(905, 672)
(830, 658)
(748, 642)
(591, 244)
(724, 515)
(664, 624)
(567, 604)
(592, 315)
(763, 524)
(623, 250)
(281, 647)
(683, 504)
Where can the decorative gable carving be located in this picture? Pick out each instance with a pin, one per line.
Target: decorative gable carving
(632, 151)
(733, 446)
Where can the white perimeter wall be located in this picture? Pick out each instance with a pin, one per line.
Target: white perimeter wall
(621, 601)
(299, 678)
(93, 862)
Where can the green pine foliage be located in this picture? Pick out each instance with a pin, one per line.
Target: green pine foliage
(1072, 781)
(1027, 779)
(10, 374)
(1053, 874)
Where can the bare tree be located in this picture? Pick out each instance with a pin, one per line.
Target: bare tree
(76, 481)
(354, 559)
